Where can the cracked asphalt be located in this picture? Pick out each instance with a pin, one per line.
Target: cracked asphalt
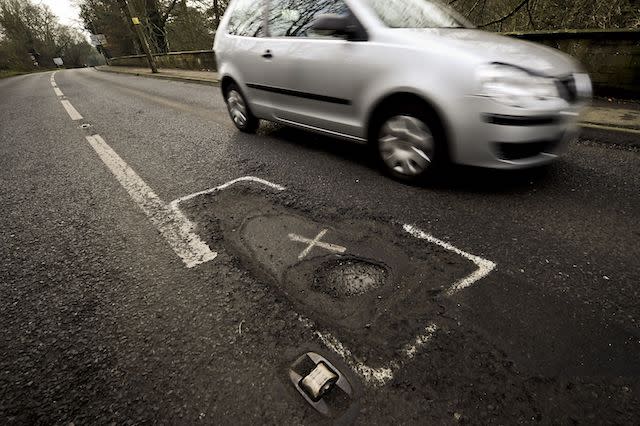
(103, 324)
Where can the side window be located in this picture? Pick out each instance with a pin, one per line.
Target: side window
(247, 18)
(292, 18)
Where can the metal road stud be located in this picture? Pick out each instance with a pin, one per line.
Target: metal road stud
(319, 381)
(316, 379)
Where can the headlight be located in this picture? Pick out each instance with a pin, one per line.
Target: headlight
(515, 87)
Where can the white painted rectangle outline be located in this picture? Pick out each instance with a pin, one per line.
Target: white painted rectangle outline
(375, 376)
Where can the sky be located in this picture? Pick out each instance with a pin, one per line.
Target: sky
(68, 13)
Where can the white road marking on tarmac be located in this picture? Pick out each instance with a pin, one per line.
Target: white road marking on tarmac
(374, 376)
(175, 203)
(316, 243)
(73, 113)
(58, 92)
(484, 266)
(380, 376)
(172, 224)
(411, 350)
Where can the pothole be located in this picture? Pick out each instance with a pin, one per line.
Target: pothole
(350, 277)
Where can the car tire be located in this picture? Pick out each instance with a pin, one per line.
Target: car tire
(239, 111)
(409, 143)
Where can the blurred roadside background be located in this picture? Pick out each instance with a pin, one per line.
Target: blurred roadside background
(603, 34)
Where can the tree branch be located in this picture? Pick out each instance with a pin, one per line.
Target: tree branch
(507, 16)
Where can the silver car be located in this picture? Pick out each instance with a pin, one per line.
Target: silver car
(411, 78)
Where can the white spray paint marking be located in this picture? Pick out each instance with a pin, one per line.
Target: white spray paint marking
(484, 266)
(58, 92)
(373, 376)
(172, 224)
(73, 113)
(380, 376)
(175, 203)
(316, 243)
(411, 350)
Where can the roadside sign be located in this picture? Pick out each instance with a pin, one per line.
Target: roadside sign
(58, 61)
(98, 39)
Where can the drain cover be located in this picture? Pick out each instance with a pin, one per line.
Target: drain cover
(350, 277)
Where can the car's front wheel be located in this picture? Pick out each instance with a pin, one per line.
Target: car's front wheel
(408, 144)
(239, 110)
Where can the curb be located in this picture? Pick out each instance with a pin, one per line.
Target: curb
(610, 136)
(214, 83)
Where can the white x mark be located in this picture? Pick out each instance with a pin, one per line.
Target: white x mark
(316, 243)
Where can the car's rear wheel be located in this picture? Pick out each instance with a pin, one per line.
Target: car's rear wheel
(239, 110)
(408, 144)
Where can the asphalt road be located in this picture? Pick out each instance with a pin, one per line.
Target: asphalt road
(102, 320)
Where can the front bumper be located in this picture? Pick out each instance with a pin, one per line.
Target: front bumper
(497, 136)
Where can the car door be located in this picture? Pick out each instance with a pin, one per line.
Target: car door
(242, 52)
(314, 79)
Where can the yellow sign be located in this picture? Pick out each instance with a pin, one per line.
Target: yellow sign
(136, 21)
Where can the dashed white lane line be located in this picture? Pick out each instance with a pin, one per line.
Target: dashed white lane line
(58, 92)
(73, 113)
(176, 229)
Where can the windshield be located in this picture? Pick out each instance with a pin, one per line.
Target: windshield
(417, 14)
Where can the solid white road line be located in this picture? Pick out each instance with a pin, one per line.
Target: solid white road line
(484, 266)
(172, 224)
(58, 92)
(73, 113)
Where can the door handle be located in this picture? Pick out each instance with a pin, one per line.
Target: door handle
(267, 54)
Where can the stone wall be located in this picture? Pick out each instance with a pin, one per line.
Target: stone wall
(612, 57)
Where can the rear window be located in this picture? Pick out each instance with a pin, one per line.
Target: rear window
(247, 18)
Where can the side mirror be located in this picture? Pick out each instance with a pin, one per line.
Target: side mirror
(330, 24)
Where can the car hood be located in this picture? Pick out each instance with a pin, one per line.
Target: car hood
(490, 47)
